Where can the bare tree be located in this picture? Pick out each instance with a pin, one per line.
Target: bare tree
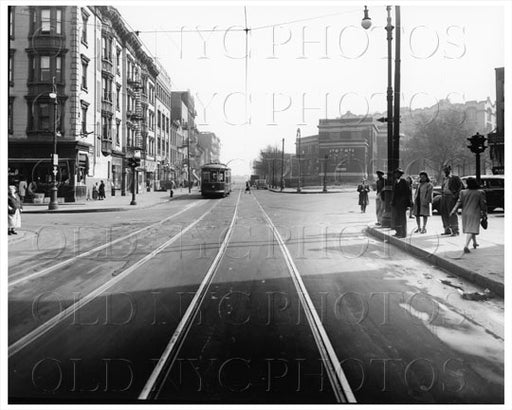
(266, 160)
(440, 140)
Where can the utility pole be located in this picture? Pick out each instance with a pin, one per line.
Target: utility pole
(188, 163)
(299, 189)
(282, 164)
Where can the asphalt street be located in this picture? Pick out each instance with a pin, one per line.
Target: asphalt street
(253, 298)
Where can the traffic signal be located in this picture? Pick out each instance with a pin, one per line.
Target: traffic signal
(477, 143)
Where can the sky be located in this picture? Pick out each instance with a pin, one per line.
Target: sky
(308, 62)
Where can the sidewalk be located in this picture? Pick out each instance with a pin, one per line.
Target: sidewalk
(484, 266)
(111, 203)
(335, 189)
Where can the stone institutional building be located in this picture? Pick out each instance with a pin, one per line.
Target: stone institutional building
(113, 101)
(352, 147)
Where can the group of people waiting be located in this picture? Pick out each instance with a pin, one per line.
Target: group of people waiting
(453, 196)
(98, 192)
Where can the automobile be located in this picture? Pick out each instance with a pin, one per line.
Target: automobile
(261, 184)
(494, 188)
(492, 185)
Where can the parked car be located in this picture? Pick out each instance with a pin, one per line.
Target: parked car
(492, 185)
(261, 184)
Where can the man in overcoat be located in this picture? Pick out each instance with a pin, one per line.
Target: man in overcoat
(400, 201)
(379, 201)
(452, 185)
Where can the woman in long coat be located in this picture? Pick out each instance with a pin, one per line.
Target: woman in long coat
(363, 188)
(422, 204)
(474, 207)
(14, 211)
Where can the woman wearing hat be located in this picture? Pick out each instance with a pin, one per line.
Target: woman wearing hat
(423, 197)
(474, 208)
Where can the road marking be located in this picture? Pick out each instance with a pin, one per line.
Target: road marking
(339, 382)
(97, 249)
(55, 320)
(179, 335)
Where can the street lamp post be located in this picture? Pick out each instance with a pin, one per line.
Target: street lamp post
(299, 189)
(53, 204)
(392, 121)
(325, 173)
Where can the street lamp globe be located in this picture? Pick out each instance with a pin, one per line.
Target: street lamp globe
(366, 23)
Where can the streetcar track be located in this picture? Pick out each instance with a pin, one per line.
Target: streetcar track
(59, 265)
(35, 334)
(164, 365)
(337, 377)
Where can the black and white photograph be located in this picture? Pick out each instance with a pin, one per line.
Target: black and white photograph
(254, 204)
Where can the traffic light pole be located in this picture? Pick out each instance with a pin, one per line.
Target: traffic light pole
(478, 172)
(477, 146)
(134, 177)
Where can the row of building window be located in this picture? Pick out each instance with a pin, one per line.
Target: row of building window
(42, 68)
(47, 21)
(163, 95)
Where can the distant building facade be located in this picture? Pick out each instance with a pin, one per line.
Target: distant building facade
(348, 146)
(496, 140)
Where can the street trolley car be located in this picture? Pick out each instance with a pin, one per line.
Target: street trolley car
(215, 180)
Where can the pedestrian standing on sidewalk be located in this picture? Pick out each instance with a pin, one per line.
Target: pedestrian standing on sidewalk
(31, 190)
(379, 201)
(400, 201)
(95, 191)
(409, 183)
(451, 188)
(363, 188)
(14, 211)
(247, 187)
(474, 208)
(423, 202)
(22, 189)
(101, 191)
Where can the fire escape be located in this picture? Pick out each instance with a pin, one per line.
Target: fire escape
(136, 115)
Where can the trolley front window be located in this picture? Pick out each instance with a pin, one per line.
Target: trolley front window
(213, 176)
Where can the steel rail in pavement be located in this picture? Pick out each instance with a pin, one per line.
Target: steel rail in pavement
(71, 310)
(339, 382)
(92, 251)
(153, 385)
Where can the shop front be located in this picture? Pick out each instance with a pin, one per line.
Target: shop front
(31, 161)
(151, 168)
(117, 174)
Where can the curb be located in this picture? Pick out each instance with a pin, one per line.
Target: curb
(75, 211)
(306, 192)
(89, 210)
(497, 287)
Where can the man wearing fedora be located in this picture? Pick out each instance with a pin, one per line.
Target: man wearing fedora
(400, 201)
(451, 188)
